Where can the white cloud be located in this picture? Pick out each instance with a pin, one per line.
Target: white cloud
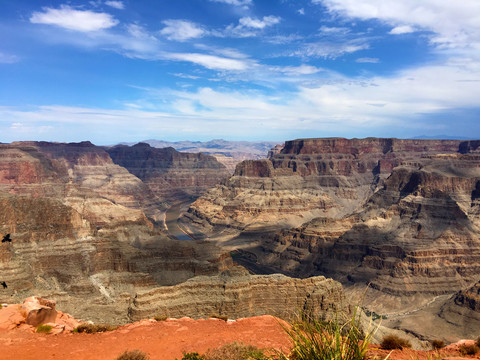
(301, 11)
(8, 58)
(249, 27)
(115, 4)
(330, 50)
(368, 60)
(181, 30)
(244, 3)
(404, 29)
(296, 70)
(255, 23)
(333, 30)
(210, 61)
(78, 20)
(455, 23)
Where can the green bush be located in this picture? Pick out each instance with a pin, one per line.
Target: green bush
(192, 356)
(44, 329)
(327, 340)
(93, 328)
(392, 342)
(235, 351)
(133, 355)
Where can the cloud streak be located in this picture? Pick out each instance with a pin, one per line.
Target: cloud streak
(78, 20)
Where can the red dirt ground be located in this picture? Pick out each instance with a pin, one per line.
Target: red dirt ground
(162, 340)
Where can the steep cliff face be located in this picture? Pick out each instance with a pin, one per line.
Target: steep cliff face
(82, 233)
(418, 233)
(168, 173)
(306, 179)
(235, 294)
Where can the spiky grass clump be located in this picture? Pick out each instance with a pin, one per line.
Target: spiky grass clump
(328, 340)
(235, 351)
(438, 344)
(44, 329)
(160, 317)
(133, 355)
(94, 328)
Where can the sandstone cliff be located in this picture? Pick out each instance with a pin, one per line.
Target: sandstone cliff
(170, 174)
(235, 294)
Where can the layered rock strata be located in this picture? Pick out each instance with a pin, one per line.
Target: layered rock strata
(235, 294)
(305, 179)
(168, 173)
(83, 232)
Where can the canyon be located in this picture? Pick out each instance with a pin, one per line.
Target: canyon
(391, 224)
(401, 216)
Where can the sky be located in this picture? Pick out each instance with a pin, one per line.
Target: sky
(114, 71)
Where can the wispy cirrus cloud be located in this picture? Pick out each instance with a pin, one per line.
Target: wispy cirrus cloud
(182, 30)
(72, 19)
(210, 61)
(404, 29)
(368, 60)
(249, 27)
(115, 4)
(244, 3)
(8, 58)
(455, 24)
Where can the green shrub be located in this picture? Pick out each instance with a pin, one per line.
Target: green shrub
(235, 351)
(392, 342)
(327, 340)
(438, 344)
(469, 349)
(192, 356)
(44, 329)
(160, 317)
(133, 355)
(93, 328)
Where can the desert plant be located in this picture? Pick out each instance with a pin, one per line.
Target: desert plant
(477, 342)
(44, 329)
(469, 349)
(133, 355)
(235, 351)
(392, 342)
(192, 356)
(437, 344)
(160, 317)
(93, 328)
(328, 340)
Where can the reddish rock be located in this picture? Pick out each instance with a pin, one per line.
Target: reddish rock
(39, 311)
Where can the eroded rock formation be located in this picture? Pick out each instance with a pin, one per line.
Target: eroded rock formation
(168, 173)
(235, 294)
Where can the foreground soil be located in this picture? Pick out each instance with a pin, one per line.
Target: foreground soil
(165, 340)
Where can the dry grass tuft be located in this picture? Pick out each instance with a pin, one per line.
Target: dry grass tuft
(392, 342)
(133, 355)
(94, 328)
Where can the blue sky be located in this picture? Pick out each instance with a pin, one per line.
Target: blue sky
(112, 71)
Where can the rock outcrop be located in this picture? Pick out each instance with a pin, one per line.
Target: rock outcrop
(170, 174)
(39, 311)
(235, 294)
(469, 298)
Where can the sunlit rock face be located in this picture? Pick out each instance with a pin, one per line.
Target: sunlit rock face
(235, 294)
(170, 174)
(305, 179)
(402, 215)
(82, 233)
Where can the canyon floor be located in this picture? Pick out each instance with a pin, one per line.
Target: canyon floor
(165, 340)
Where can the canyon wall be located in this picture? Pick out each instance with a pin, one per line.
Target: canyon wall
(82, 233)
(402, 215)
(235, 294)
(170, 174)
